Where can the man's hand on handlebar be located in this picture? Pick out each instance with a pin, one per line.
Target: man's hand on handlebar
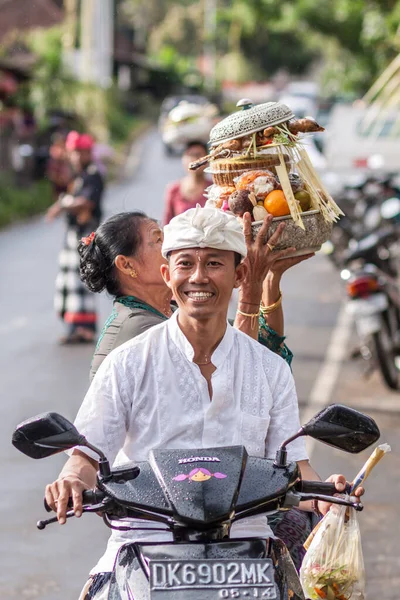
(78, 474)
(340, 484)
(58, 494)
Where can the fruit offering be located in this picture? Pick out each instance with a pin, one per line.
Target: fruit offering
(242, 201)
(261, 183)
(304, 199)
(276, 204)
(218, 194)
(258, 160)
(296, 182)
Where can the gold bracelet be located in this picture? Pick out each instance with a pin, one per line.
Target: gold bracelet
(266, 310)
(253, 316)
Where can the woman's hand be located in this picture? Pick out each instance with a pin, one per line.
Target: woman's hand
(340, 484)
(280, 266)
(260, 258)
(53, 212)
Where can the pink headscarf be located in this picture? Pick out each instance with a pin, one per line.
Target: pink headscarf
(76, 141)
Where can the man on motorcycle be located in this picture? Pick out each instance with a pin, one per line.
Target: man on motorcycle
(190, 382)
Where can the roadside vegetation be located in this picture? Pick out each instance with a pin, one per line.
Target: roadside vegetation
(22, 202)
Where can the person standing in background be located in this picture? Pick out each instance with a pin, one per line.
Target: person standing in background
(58, 169)
(189, 191)
(82, 208)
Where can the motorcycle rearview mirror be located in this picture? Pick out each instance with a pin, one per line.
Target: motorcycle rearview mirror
(338, 426)
(390, 209)
(51, 433)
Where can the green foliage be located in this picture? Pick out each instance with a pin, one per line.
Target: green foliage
(351, 41)
(19, 203)
(120, 124)
(52, 87)
(355, 39)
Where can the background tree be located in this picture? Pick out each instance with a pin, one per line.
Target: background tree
(349, 42)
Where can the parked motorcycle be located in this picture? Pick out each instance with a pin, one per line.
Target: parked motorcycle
(361, 203)
(187, 122)
(198, 505)
(372, 276)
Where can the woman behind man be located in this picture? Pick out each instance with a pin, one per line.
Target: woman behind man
(124, 257)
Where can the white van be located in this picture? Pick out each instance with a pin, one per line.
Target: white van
(355, 140)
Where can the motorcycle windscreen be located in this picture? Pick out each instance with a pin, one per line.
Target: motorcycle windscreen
(200, 489)
(245, 569)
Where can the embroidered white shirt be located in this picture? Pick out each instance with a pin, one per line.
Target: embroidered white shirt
(149, 394)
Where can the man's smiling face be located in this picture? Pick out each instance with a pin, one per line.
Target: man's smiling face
(202, 280)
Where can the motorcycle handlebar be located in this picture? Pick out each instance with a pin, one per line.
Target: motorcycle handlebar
(320, 487)
(89, 497)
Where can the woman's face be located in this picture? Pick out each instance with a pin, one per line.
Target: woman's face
(149, 254)
(193, 153)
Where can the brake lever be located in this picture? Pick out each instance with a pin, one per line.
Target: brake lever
(70, 513)
(333, 500)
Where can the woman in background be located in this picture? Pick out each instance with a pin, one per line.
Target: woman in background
(189, 191)
(58, 169)
(82, 209)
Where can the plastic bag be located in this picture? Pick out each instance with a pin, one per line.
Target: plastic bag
(218, 194)
(260, 182)
(333, 568)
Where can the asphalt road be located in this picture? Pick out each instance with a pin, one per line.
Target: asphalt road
(37, 375)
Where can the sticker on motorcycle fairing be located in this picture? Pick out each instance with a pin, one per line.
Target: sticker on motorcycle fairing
(184, 461)
(200, 475)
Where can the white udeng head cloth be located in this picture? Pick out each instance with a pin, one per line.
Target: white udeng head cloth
(204, 228)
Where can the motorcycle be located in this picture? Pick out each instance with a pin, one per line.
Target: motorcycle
(373, 295)
(187, 122)
(198, 505)
(361, 203)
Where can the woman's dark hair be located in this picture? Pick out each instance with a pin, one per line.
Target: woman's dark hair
(196, 143)
(120, 234)
(238, 259)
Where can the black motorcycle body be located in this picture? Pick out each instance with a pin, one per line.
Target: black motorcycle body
(197, 495)
(252, 568)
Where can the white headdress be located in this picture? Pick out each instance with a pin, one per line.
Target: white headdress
(204, 228)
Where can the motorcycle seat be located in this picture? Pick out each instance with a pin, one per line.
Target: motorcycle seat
(369, 244)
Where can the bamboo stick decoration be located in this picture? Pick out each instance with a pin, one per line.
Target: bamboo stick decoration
(383, 95)
(320, 198)
(373, 460)
(382, 81)
(287, 190)
(359, 479)
(375, 115)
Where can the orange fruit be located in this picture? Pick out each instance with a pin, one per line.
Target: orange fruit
(276, 204)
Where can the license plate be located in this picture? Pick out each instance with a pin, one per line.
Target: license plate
(217, 579)
(368, 325)
(375, 304)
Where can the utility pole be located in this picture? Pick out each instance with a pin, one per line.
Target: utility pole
(209, 50)
(104, 41)
(97, 41)
(71, 19)
(86, 45)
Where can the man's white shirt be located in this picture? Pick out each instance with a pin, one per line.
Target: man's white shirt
(149, 394)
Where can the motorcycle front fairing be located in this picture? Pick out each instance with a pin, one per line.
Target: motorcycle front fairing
(195, 492)
(199, 496)
(242, 569)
